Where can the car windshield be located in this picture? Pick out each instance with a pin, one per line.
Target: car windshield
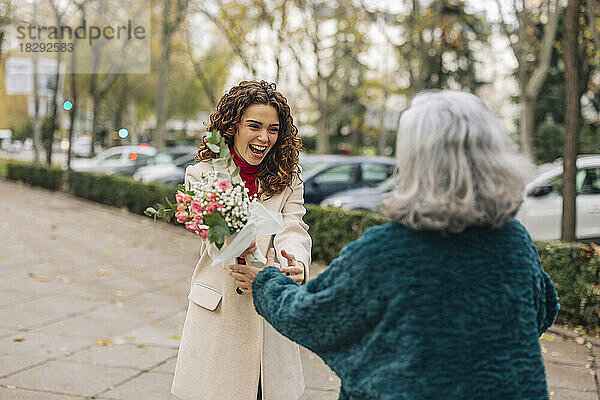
(185, 160)
(309, 165)
(161, 158)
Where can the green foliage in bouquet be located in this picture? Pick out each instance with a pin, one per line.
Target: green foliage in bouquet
(217, 226)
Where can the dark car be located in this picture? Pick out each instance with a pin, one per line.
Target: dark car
(345, 173)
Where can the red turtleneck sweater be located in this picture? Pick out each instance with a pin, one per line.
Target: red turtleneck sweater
(248, 172)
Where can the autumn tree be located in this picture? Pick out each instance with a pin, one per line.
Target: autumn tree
(532, 54)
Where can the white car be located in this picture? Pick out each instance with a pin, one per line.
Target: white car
(171, 172)
(113, 159)
(541, 211)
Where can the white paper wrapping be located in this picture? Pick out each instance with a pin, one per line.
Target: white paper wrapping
(261, 222)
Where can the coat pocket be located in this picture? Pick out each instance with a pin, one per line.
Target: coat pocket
(205, 296)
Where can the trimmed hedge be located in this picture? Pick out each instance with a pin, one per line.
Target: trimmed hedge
(36, 174)
(332, 228)
(574, 268)
(3, 167)
(119, 191)
(575, 271)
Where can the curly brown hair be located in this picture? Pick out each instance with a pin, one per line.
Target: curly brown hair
(280, 165)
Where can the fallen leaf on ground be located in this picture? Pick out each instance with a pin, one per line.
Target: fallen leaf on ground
(18, 339)
(141, 345)
(40, 278)
(175, 337)
(580, 340)
(11, 387)
(103, 342)
(101, 272)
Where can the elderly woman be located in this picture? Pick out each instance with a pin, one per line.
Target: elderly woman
(228, 352)
(449, 299)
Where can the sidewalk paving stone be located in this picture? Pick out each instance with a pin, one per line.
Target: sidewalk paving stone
(69, 378)
(133, 356)
(22, 394)
(147, 386)
(570, 377)
(166, 368)
(42, 310)
(570, 394)
(89, 327)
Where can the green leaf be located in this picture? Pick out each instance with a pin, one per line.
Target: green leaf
(150, 211)
(223, 175)
(236, 171)
(214, 219)
(225, 153)
(214, 138)
(219, 164)
(213, 147)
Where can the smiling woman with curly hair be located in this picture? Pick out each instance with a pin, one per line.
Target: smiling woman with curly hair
(227, 350)
(280, 165)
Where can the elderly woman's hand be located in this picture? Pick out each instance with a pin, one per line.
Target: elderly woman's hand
(245, 274)
(293, 270)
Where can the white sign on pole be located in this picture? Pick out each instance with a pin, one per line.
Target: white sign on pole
(19, 76)
(19, 72)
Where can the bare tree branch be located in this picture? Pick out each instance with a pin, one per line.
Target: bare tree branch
(591, 14)
(539, 74)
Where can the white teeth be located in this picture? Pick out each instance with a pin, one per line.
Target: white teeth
(259, 148)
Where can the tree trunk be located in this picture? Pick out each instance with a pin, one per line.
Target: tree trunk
(95, 113)
(572, 122)
(322, 135)
(162, 90)
(37, 134)
(527, 124)
(54, 115)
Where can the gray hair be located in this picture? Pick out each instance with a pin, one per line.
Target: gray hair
(457, 165)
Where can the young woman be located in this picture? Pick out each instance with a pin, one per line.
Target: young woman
(227, 351)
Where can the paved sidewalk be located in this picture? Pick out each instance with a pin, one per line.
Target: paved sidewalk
(92, 307)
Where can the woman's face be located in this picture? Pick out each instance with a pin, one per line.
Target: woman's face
(257, 133)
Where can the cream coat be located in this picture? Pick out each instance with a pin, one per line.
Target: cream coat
(225, 344)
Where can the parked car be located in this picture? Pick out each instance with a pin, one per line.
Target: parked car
(167, 156)
(113, 159)
(80, 146)
(171, 173)
(308, 162)
(541, 211)
(363, 199)
(344, 173)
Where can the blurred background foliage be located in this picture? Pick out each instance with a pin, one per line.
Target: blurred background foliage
(348, 67)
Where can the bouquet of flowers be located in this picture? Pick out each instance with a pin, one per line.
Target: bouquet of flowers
(217, 207)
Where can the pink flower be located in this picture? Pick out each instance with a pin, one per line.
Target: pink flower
(198, 218)
(203, 233)
(211, 196)
(181, 207)
(191, 226)
(182, 197)
(224, 185)
(195, 207)
(182, 216)
(212, 206)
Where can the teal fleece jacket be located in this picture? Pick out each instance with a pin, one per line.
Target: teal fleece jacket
(405, 314)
